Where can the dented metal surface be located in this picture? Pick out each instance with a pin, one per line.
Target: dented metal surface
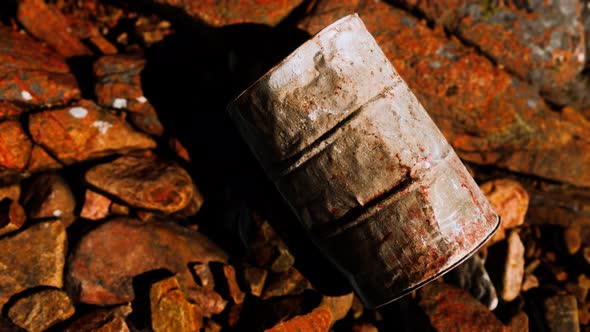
(362, 165)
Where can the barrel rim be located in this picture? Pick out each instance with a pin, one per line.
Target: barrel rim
(406, 291)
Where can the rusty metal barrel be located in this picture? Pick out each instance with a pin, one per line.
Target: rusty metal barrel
(362, 165)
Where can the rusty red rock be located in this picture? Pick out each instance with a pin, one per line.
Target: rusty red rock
(47, 23)
(32, 74)
(34, 256)
(85, 131)
(102, 266)
(147, 182)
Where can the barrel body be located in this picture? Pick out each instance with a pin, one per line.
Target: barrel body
(362, 165)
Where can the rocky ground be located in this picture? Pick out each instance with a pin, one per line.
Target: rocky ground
(128, 202)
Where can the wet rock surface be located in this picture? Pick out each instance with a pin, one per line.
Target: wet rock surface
(136, 184)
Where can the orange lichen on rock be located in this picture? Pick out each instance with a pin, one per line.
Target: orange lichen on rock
(318, 320)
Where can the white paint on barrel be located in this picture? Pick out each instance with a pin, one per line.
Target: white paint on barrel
(313, 115)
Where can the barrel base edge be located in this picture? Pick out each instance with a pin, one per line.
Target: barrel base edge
(405, 292)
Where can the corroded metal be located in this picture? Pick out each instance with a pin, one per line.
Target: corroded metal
(362, 165)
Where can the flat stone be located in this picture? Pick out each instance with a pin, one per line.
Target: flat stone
(170, 310)
(41, 161)
(463, 91)
(291, 282)
(84, 28)
(452, 309)
(85, 131)
(12, 216)
(193, 207)
(15, 148)
(510, 201)
(561, 313)
(41, 310)
(32, 257)
(513, 268)
(236, 294)
(318, 320)
(119, 83)
(48, 195)
(147, 183)
(47, 23)
(102, 320)
(105, 261)
(119, 86)
(32, 74)
(96, 206)
(219, 14)
(559, 204)
(541, 42)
